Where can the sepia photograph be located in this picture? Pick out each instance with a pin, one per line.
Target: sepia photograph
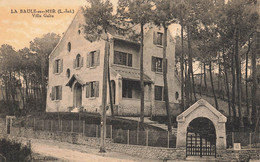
(129, 80)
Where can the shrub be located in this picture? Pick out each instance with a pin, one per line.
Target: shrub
(14, 151)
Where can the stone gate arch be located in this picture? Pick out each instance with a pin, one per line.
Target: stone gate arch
(202, 109)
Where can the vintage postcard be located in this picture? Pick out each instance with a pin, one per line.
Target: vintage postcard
(129, 80)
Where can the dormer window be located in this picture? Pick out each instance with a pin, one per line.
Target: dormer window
(69, 46)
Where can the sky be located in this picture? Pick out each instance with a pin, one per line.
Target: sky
(18, 28)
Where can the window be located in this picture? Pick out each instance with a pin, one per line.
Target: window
(93, 59)
(258, 79)
(122, 58)
(158, 93)
(57, 66)
(92, 89)
(68, 73)
(176, 95)
(158, 38)
(127, 89)
(56, 93)
(79, 32)
(69, 46)
(157, 64)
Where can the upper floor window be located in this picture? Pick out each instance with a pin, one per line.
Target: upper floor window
(92, 89)
(158, 38)
(93, 59)
(56, 93)
(122, 58)
(57, 66)
(78, 62)
(68, 73)
(69, 46)
(157, 64)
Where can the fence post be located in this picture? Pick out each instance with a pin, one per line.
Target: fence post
(71, 126)
(147, 138)
(34, 124)
(168, 140)
(61, 125)
(43, 124)
(83, 129)
(111, 132)
(128, 136)
(97, 131)
(233, 140)
(137, 134)
(51, 125)
(250, 140)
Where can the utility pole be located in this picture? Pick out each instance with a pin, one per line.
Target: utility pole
(104, 96)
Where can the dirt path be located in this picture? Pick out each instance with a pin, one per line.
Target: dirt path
(80, 153)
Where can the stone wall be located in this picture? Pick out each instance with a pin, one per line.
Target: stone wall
(238, 155)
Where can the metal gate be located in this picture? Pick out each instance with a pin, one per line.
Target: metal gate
(196, 145)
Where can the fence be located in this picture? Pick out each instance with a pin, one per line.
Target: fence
(246, 139)
(132, 137)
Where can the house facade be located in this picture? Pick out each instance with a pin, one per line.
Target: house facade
(76, 73)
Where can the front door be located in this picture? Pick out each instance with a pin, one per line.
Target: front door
(77, 95)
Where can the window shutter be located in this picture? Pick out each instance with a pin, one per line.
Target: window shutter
(153, 63)
(97, 89)
(88, 60)
(81, 62)
(53, 67)
(60, 92)
(154, 38)
(74, 64)
(97, 59)
(53, 93)
(87, 90)
(61, 66)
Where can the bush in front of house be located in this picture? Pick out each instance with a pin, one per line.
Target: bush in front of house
(14, 151)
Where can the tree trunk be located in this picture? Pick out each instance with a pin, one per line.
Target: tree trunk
(190, 71)
(187, 95)
(233, 87)
(255, 116)
(227, 83)
(166, 94)
(246, 78)
(212, 85)
(201, 78)
(142, 75)
(182, 69)
(238, 71)
(205, 77)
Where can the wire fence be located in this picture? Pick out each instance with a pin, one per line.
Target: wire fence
(131, 137)
(153, 138)
(246, 139)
